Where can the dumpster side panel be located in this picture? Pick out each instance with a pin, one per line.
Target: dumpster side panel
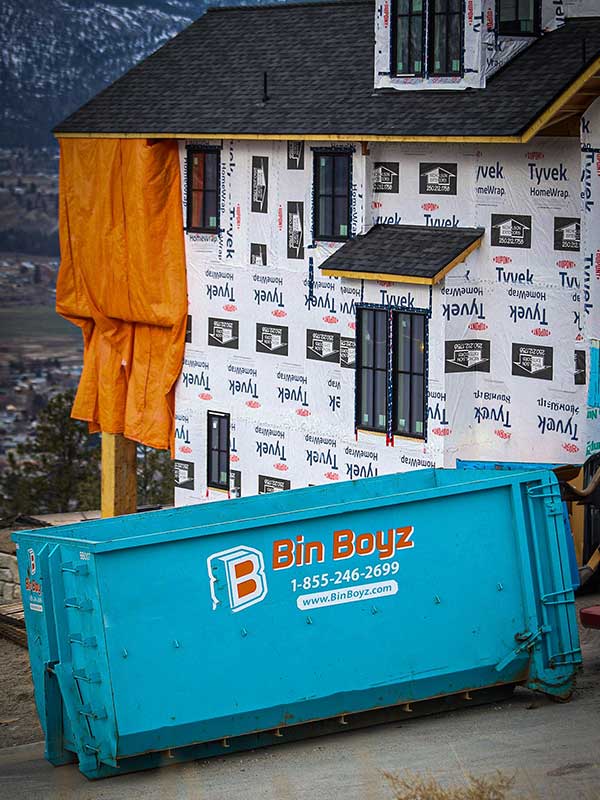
(235, 625)
(431, 607)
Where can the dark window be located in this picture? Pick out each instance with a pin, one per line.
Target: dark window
(408, 350)
(408, 32)
(202, 190)
(518, 17)
(332, 196)
(218, 450)
(445, 37)
(391, 364)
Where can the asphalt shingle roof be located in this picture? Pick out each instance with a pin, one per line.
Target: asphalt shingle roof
(411, 251)
(319, 63)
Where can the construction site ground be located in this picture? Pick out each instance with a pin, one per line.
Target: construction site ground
(552, 749)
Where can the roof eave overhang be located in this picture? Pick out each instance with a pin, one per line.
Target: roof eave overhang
(396, 278)
(572, 102)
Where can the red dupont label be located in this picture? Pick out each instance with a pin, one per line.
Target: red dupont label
(281, 467)
(229, 307)
(234, 458)
(502, 434)
(352, 325)
(597, 264)
(185, 448)
(442, 431)
(280, 218)
(279, 312)
(490, 20)
(570, 447)
(386, 14)
(330, 320)
(376, 204)
(205, 396)
(332, 476)
(535, 155)
(429, 206)
(252, 403)
(303, 412)
(238, 216)
(502, 259)
(540, 331)
(478, 326)
(470, 12)
(565, 264)
(384, 283)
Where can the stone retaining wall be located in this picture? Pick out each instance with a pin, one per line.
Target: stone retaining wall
(10, 589)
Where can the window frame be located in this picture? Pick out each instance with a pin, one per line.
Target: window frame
(336, 154)
(537, 23)
(393, 316)
(219, 485)
(394, 40)
(191, 151)
(431, 15)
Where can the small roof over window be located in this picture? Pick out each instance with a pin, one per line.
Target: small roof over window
(403, 253)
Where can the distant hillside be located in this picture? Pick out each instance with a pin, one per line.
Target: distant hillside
(56, 54)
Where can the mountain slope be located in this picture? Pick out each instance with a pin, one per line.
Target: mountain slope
(56, 54)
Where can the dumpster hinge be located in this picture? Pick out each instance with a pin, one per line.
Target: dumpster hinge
(548, 494)
(77, 568)
(525, 641)
(88, 711)
(567, 657)
(555, 599)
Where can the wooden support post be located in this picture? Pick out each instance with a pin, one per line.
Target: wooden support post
(119, 479)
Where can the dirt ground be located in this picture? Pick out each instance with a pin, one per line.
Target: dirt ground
(18, 717)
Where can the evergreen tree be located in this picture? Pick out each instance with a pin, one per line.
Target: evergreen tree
(58, 468)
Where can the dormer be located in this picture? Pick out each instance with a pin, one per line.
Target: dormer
(458, 44)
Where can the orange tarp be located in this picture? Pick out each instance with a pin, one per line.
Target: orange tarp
(122, 281)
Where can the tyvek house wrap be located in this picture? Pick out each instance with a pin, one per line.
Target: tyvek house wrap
(271, 340)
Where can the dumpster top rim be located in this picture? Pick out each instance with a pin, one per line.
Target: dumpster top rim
(170, 525)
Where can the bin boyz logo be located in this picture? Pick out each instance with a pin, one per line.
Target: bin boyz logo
(268, 485)
(235, 483)
(580, 376)
(240, 569)
(32, 561)
(295, 155)
(260, 184)
(531, 361)
(184, 474)
(188, 329)
(224, 333)
(323, 346)
(258, 255)
(347, 352)
(511, 231)
(295, 230)
(567, 233)
(468, 356)
(386, 177)
(437, 178)
(272, 339)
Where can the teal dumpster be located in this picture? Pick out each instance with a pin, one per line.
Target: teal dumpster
(185, 633)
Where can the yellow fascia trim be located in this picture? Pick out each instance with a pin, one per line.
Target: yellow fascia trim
(459, 259)
(380, 276)
(301, 137)
(529, 133)
(374, 276)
